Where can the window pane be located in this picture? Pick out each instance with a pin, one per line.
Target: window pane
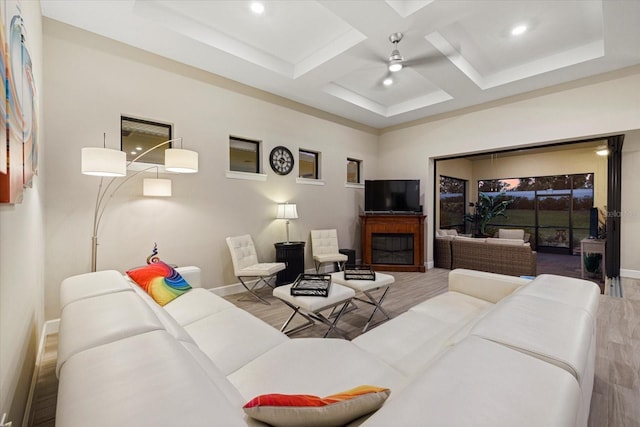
(308, 164)
(452, 203)
(243, 155)
(137, 136)
(353, 171)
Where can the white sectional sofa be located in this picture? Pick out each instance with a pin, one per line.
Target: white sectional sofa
(492, 351)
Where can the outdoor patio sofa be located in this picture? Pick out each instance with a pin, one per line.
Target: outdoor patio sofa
(502, 256)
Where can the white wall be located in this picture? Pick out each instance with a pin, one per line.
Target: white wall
(22, 263)
(605, 107)
(91, 81)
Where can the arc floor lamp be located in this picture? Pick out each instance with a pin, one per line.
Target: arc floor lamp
(112, 164)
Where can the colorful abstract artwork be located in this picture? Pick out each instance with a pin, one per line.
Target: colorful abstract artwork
(20, 123)
(3, 99)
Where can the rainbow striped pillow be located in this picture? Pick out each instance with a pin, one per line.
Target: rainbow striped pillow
(160, 280)
(294, 410)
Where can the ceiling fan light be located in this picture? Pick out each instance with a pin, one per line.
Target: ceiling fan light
(395, 66)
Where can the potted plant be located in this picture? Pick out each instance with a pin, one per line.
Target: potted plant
(484, 210)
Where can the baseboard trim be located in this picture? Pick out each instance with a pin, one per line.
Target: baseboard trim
(630, 274)
(50, 327)
(430, 265)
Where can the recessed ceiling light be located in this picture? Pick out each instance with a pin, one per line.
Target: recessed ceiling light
(388, 81)
(602, 151)
(257, 7)
(520, 29)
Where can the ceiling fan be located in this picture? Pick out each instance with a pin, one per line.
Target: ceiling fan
(395, 59)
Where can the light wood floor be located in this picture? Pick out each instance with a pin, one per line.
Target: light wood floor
(616, 394)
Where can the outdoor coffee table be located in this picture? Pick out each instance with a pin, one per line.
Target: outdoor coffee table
(382, 281)
(311, 307)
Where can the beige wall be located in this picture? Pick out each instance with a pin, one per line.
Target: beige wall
(91, 81)
(604, 106)
(22, 255)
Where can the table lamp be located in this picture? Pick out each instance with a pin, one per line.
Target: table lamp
(287, 211)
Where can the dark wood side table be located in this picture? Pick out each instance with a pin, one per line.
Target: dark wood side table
(292, 254)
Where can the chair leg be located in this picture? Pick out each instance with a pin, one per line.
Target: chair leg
(296, 310)
(252, 291)
(377, 306)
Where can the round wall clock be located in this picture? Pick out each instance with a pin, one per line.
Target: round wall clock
(281, 160)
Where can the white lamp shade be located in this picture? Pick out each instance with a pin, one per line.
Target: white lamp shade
(156, 187)
(287, 211)
(103, 162)
(180, 160)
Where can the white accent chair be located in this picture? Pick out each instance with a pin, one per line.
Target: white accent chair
(324, 247)
(246, 264)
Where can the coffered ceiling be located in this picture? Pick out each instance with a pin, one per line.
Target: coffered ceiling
(333, 55)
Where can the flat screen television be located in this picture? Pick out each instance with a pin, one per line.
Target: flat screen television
(392, 196)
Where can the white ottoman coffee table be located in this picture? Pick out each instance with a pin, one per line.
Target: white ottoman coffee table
(311, 307)
(382, 281)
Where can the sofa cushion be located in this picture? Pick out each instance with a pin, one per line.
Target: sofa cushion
(554, 332)
(160, 280)
(293, 410)
(90, 285)
(575, 292)
(452, 307)
(232, 338)
(144, 380)
(409, 342)
(195, 305)
(511, 233)
(168, 322)
(490, 287)
(93, 322)
(481, 383)
(314, 366)
(508, 242)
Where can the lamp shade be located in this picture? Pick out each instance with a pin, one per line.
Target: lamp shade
(287, 211)
(180, 160)
(103, 162)
(156, 187)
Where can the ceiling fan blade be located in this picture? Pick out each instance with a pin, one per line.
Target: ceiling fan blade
(425, 60)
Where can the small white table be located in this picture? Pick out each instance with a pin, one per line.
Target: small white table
(311, 307)
(593, 246)
(382, 281)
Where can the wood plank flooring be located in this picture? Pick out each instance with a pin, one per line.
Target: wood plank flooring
(616, 394)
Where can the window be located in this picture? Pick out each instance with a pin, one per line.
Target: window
(353, 170)
(553, 209)
(452, 203)
(308, 165)
(244, 155)
(138, 136)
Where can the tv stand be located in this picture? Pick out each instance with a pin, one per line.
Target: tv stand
(393, 242)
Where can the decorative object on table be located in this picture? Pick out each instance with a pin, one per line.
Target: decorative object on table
(287, 211)
(316, 285)
(484, 210)
(106, 162)
(159, 280)
(359, 272)
(281, 160)
(311, 411)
